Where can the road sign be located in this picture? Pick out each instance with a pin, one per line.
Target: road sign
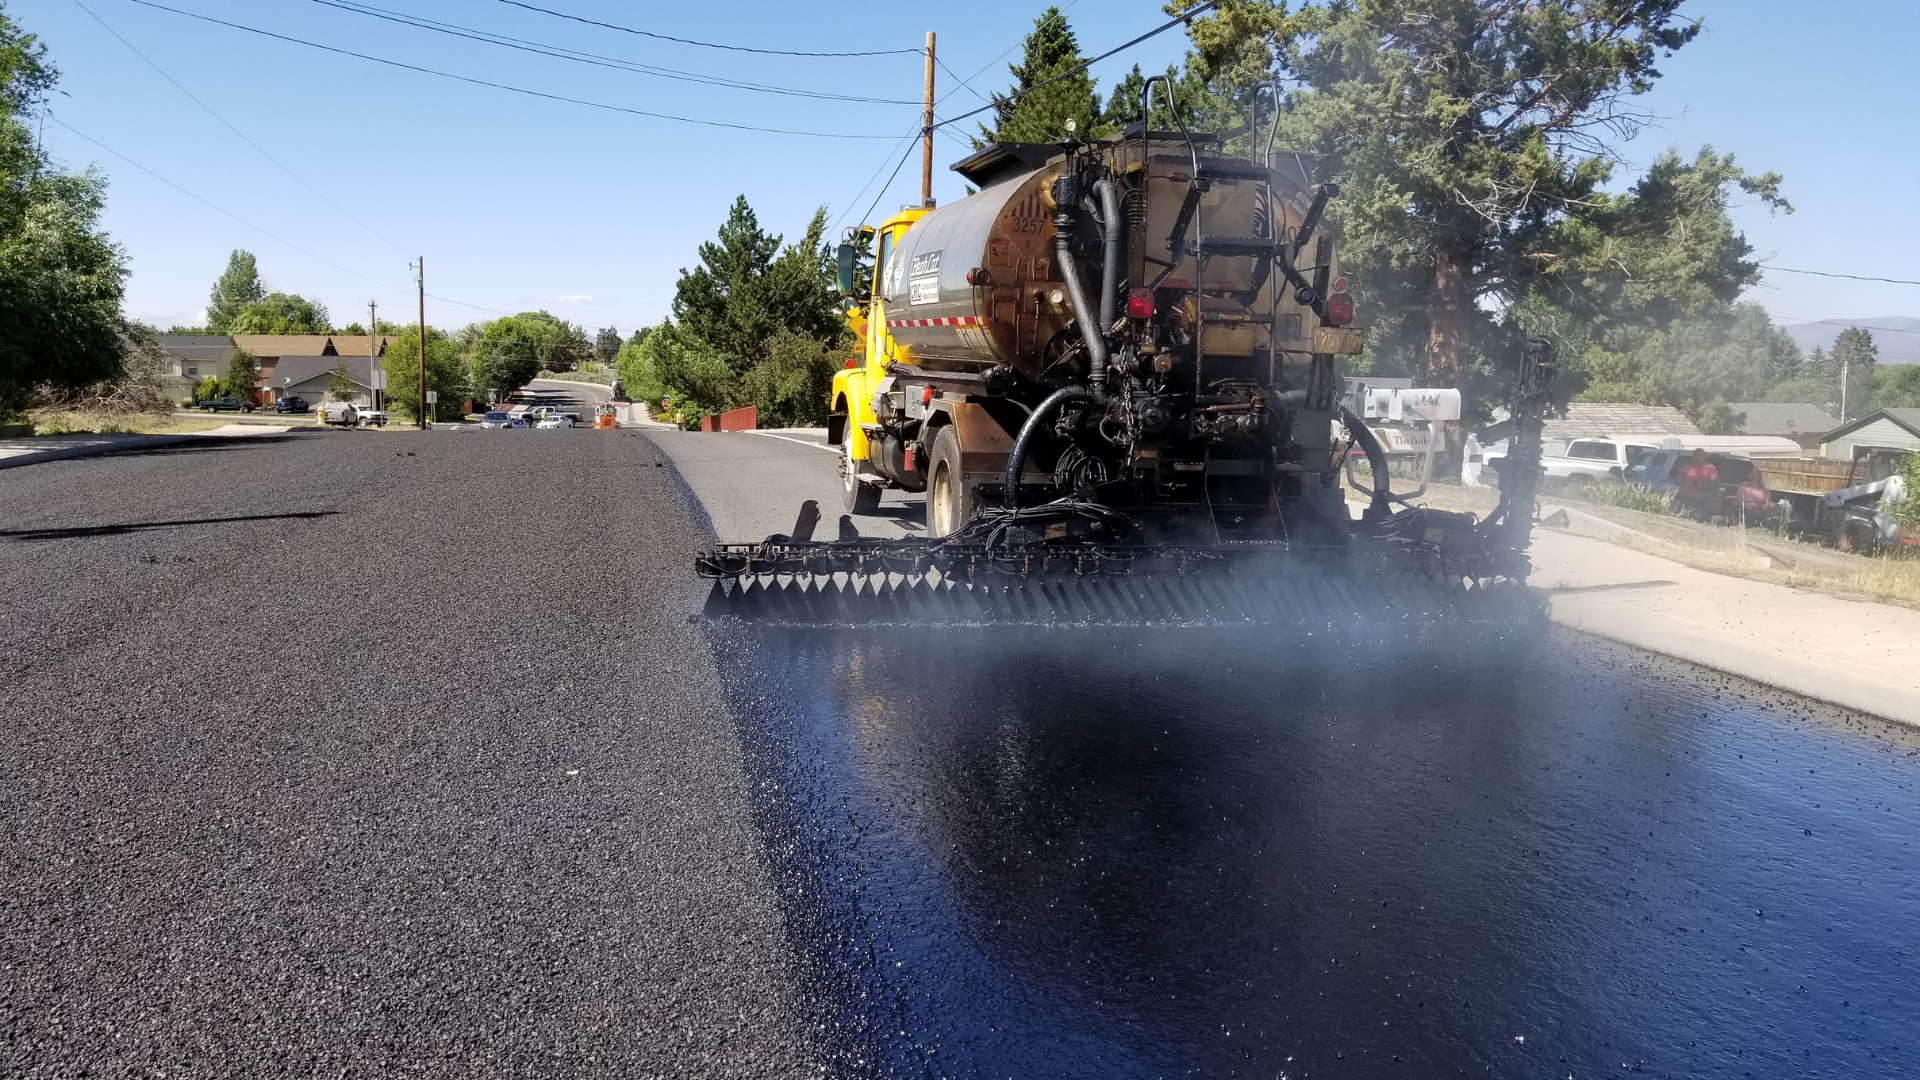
(433, 397)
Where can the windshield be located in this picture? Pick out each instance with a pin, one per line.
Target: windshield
(496, 417)
(1638, 470)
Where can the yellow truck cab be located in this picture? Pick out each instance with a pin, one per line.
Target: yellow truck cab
(855, 384)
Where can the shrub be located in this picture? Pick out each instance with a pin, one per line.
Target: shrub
(1625, 496)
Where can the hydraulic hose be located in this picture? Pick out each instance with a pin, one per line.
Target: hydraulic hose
(1017, 459)
(1376, 460)
(1110, 225)
(1066, 199)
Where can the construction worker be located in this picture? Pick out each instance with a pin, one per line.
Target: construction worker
(1695, 480)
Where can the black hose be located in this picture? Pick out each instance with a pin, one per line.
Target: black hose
(1017, 460)
(1381, 506)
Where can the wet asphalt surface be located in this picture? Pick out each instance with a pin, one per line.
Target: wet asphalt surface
(373, 754)
(1207, 853)
(265, 811)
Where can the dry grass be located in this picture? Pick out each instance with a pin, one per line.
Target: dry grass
(1882, 579)
(86, 422)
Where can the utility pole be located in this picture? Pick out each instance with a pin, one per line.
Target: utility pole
(926, 133)
(1846, 362)
(373, 352)
(420, 281)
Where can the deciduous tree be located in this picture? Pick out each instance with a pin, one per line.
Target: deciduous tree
(237, 288)
(280, 313)
(61, 278)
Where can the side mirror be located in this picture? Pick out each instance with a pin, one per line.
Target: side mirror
(1615, 470)
(846, 261)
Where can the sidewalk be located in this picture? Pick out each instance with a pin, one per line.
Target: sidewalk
(31, 451)
(1857, 655)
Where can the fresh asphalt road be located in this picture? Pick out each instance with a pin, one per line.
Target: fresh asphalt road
(395, 754)
(358, 754)
(1164, 852)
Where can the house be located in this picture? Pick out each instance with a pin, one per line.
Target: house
(190, 358)
(1897, 429)
(311, 377)
(1611, 420)
(1804, 424)
(196, 356)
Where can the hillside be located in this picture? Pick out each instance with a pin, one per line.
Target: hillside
(1897, 337)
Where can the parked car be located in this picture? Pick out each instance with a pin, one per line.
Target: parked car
(1586, 461)
(225, 404)
(340, 414)
(1739, 492)
(541, 412)
(501, 420)
(554, 421)
(291, 403)
(372, 417)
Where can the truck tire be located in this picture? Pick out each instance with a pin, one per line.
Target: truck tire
(949, 496)
(858, 498)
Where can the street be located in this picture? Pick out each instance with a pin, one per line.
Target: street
(373, 755)
(399, 754)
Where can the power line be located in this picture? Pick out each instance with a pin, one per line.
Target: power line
(1845, 323)
(878, 195)
(593, 59)
(504, 86)
(960, 82)
(1849, 277)
(223, 210)
(1075, 69)
(702, 44)
(861, 194)
(243, 135)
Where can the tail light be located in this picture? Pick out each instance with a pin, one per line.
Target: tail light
(1339, 309)
(1139, 303)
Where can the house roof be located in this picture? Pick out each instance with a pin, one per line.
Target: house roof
(356, 344)
(197, 346)
(283, 345)
(294, 370)
(1620, 421)
(1906, 418)
(1774, 418)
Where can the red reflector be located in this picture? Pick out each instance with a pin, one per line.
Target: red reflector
(926, 395)
(1339, 309)
(1139, 303)
(853, 361)
(1340, 284)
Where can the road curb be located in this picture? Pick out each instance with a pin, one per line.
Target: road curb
(135, 442)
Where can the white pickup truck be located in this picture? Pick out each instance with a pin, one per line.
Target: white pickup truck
(1581, 461)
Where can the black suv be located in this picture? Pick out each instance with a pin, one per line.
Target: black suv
(291, 404)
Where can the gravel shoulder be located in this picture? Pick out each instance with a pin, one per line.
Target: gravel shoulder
(263, 814)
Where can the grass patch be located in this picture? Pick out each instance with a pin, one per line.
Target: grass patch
(1625, 496)
(85, 422)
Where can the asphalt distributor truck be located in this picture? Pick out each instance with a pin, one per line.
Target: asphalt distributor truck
(1111, 372)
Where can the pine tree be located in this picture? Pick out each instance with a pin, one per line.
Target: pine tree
(1041, 116)
(237, 288)
(606, 345)
(1854, 349)
(243, 375)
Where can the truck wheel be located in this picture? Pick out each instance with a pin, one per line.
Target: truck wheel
(858, 498)
(949, 496)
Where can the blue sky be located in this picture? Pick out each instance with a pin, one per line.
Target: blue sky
(519, 202)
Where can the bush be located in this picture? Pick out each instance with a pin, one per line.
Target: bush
(1626, 496)
(790, 387)
(1907, 511)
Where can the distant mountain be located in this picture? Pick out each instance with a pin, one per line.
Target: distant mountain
(1898, 338)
